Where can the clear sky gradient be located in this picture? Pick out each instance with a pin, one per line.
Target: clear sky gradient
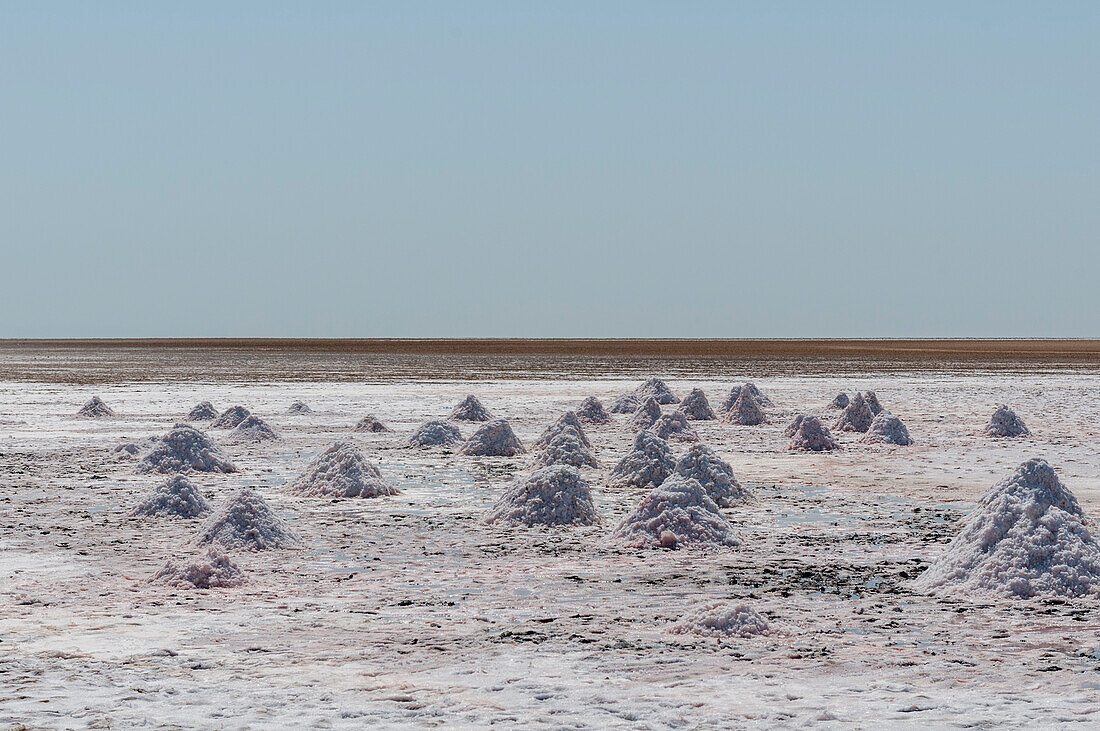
(588, 169)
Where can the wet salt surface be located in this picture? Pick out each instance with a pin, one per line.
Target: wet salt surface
(408, 611)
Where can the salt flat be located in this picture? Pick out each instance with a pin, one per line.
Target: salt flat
(408, 610)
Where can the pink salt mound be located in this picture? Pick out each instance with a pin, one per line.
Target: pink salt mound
(655, 388)
(812, 436)
(211, 569)
(840, 401)
(435, 434)
(568, 420)
(556, 495)
(245, 521)
(591, 411)
(714, 474)
(625, 404)
(790, 429)
(204, 411)
(1005, 423)
(495, 439)
(856, 416)
(696, 407)
(95, 409)
(679, 513)
(646, 415)
(872, 402)
(648, 464)
(564, 448)
(341, 471)
(674, 425)
(184, 449)
(722, 619)
(230, 418)
(176, 498)
(745, 410)
(887, 429)
(370, 423)
(470, 409)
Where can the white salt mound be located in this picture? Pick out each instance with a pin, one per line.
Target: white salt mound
(184, 449)
(591, 411)
(722, 619)
(253, 429)
(714, 474)
(674, 425)
(839, 401)
(625, 404)
(887, 429)
(655, 388)
(678, 513)
(176, 498)
(95, 409)
(495, 439)
(568, 420)
(812, 436)
(745, 410)
(1026, 537)
(856, 416)
(759, 395)
(212, 569)
(341, 471)
(370, 423)
(696, 406)
(1005, 423)
(203, 412)
(646, 415)
(564, 448)
(556, 495)
(649, 463)
(132, 450)
(790, 429)
(470, 409)
(872, 402)
(230, 418)
(299, 407)
(435, 434)
(246, 521)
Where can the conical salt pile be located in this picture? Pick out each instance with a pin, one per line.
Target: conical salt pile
(341, 471)
(246, 521)
(678, 513)
(370, 423)
(655, 388)
(470, 409)
(211, 569)
(555, 495)
(648, 464)
(840, 401)
(435, 434)
(95, 409)
(1026, 537)
(646, 415)
(591, 411)
(176, 498)
(872, 402)
(184, 449)
(495, 439)
(625, 404)
(230, 418)
(567, 420)
(856, 416)
(565, 448)
(722, 619)
(812, 436)
(714, 474)
(887, 429)
(299, 408)
(745, 410)
(203, 412)
(1005, 423)
(696, 407)
(252, 429)
(674, 425)
(790, 429)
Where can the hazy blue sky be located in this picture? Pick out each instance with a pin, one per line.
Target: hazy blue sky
(562, 169)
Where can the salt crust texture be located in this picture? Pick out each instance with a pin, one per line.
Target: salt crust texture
(716, 476)
(174, 498)
(655, 388)
(231, 417)
(678, 513)
(810, 435)
(887, 429)
(567, 420)
(184, 449)
(648, 464)
(299, 407)
(470, 409)
(696, 407)
(204, 411)
(95, 409)
(745, 410)
(839, 401)
(1026, 537)
(435, 434)
(674, 425)
(556, 495)
(722, 619)
(564, 448)
(245, 521)
(646, 415)
(1005, 423)
(591, 411)
(495, 439)
(625, 404)
(341, 471)
(856, 416)
(370, 423)
(211, 569)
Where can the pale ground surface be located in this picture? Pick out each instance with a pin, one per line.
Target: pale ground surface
(407, 611)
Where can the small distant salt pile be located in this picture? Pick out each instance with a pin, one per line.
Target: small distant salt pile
(556, 495)
(591, 411)
(203, 412)
(435, 434)
(887, 429)
(1005, 423)
(253, 429)
(714, 474)
(872, 402)
(745, 410)
(735, 393)
(470, 409)
(678, 513)
(567, 420)
(696, 407)
(674, 425)
(176, 498)
(722, 619)
(856, 416)
(812, 436)
(370, 423)
(567, 447)
(298, 408)
(1026, 537)
(184, 449)
(212, 569)
(246, 521)
(655, 388)
(495, 439)
(95, 409)
(341, 471)
(840, 401)
(649, 463)
(646, 415)
(231, 417)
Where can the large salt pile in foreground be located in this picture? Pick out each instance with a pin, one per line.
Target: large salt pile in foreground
(695, 406)
(887, 429)
(872, 402)
(649, 463)
(211, 569)
(810, 435)
(95, 409)
(674, 425)
(646, 415)
(470, 409)
(495, 439)
(745, 410)
(722, 619)
(567, 448)
(840, 401)
(591, 411)
(203, 412)
(370, 423)
(435, 434)
(555, 495)
(655, 388)
(253, 429)
(714, 474)
(1026, 537)
(1005, 423)
(625, 404)
(184, 449)
(856, 416)
(565, 421)
(678, 513)
(246, 521)
(341, 471)
(230, 418)
(175, 498)
(298, 408)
